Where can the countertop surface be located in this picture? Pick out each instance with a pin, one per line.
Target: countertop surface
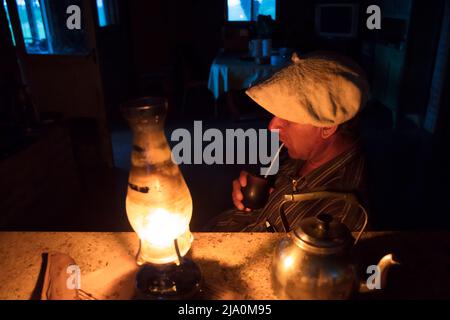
(234, 265)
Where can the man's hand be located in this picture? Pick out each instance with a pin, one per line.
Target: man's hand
(237, 195)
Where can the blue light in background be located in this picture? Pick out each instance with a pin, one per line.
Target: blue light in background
(41, 28)
(241, 10)
(24, 23)
(101, 12)
(264, 7)
(9, 22)
(33, 28)
(39, 21)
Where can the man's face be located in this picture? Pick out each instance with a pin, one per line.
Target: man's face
(301, 140)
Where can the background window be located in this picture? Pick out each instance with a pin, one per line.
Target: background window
(248, 10)
(32, 25)
(44, 29)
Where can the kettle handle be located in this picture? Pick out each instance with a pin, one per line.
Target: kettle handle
(298, 197)
(366, 218)
(284, 220)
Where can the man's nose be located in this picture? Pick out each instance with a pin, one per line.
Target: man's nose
(275, 123)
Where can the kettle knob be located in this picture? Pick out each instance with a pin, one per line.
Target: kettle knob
(324, 221)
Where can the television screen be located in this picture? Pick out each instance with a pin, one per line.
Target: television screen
(336, 20)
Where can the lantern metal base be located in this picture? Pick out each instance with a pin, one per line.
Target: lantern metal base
(168, 281)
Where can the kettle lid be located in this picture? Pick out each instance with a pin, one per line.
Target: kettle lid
(323, 232)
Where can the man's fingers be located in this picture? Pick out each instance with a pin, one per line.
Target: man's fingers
(243, 178)
(238, 204)
(237, 194)
(271, 190)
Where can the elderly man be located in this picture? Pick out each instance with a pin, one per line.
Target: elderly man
(314, 101)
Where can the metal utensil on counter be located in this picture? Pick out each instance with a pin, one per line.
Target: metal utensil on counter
(315, 260)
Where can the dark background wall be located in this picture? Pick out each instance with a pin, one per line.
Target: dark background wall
(165, 48)
(175, 40)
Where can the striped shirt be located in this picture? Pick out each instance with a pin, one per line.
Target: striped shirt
(344, 173)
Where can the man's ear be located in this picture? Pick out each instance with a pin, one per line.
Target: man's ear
(327, 132)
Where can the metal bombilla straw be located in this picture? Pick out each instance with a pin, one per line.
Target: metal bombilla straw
(275, 158)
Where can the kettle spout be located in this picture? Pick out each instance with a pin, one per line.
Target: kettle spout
(378, 274)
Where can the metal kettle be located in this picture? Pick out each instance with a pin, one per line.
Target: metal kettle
(314, 261)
